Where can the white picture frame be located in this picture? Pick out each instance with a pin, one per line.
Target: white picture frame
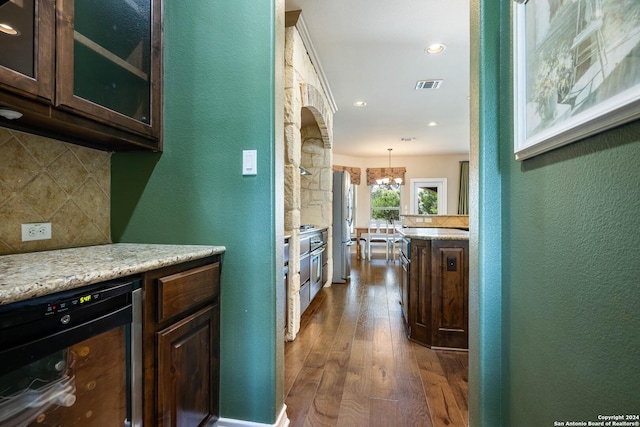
(576, 70)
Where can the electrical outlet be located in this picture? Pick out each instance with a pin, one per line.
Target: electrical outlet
(36, 231)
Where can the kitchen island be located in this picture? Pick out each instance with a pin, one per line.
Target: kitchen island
(435, 286)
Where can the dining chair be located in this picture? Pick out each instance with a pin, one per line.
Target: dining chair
(394, 238)
(377, 236)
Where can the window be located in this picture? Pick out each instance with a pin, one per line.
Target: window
(429, 196)
(427, 200)
(385, 202)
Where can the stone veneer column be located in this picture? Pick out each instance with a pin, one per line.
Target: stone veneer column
(300, 94)
(292, 106)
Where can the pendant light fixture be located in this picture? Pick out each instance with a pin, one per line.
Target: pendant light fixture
(389, 180)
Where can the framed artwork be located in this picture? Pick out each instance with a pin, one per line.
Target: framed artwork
(576, 70)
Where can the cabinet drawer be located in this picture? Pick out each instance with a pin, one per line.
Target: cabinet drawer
(305, 269)
(182, 291)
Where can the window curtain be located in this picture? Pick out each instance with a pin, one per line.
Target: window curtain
(463, 194)
(374, 174)
(354, 173)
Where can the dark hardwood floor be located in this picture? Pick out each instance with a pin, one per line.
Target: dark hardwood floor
(352, 365)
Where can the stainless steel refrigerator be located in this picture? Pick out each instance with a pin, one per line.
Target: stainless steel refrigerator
(342, 220)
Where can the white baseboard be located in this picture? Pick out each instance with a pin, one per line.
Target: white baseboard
(282, 421)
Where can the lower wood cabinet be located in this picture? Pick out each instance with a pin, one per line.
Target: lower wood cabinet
(181, 348)
(187, 395)
(438, 314)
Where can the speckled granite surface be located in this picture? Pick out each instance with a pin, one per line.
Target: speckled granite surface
(435, 233)
(28, 275)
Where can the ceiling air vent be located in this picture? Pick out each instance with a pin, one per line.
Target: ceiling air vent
(428, 84)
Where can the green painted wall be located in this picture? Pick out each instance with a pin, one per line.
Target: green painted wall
(570, 259)
(573, 309)
(220, 98)
(486, 360)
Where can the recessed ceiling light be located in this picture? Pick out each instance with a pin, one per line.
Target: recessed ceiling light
(8, 29)
(359, 104)
(435, 48)
(432, 124)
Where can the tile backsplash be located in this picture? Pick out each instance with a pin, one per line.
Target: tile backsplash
(444, 221)
(45, 180)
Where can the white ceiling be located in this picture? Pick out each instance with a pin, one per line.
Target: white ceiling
(373, 51)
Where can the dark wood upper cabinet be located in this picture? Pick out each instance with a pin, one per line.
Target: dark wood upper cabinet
(105, 62)
(27, 48)
(92, 75)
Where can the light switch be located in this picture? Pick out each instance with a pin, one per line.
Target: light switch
(249, 162)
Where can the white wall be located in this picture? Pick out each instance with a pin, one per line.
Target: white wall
(441, 166)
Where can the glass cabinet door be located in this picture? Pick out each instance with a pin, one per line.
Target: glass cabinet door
(106, 62)
(26, 46)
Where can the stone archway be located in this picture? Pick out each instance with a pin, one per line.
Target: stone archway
(308, 139)
(313, 100)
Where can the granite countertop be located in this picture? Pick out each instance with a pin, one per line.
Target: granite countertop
(435, 233)
(28, 275)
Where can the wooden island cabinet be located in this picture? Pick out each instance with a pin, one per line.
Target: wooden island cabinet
(181, 334)
(437, 310)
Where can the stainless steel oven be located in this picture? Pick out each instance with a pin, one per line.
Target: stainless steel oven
(73, 358)
(317, 247)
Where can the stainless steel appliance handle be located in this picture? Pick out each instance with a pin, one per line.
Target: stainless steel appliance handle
(318, 251)
(136, 359)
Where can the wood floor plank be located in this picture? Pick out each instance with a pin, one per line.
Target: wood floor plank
(381, 302)
(383, 371)
(406, 365)
(296, 352)
(366, 315)
(301, 395)
(382, 348)
(323, 343)
(399, 331)
(442, 404)
(361, 354)
(440, 400)
(383, 382)
(343, 338)
(354, 406)
(456, 371)
(412, 404)
(384, 413)
(326, 403)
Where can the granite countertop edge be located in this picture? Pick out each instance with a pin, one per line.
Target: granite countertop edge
(435, 234)
(33, 274)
